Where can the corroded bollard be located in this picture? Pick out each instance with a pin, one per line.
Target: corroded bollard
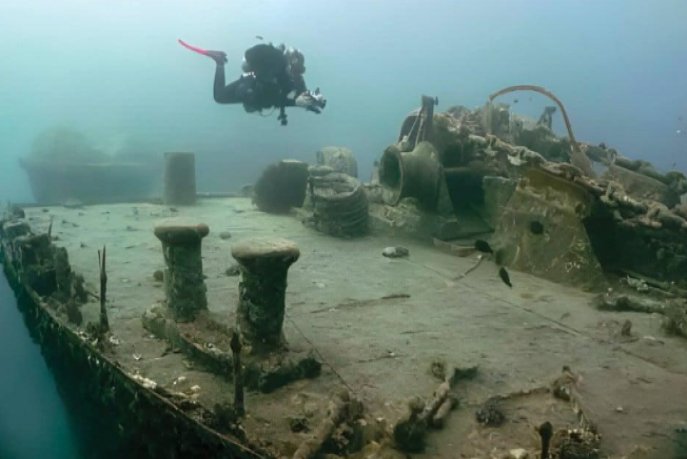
(184, 285)
(180, 179)
(264, 264)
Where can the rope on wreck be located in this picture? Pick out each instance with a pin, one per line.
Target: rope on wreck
(583, 162)
(471, 269)
(319, 354)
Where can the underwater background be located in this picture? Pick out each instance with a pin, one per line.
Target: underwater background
(114, 72)
(34, 422)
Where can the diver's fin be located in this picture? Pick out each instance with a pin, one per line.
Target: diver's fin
(218, 56)
(195, 49)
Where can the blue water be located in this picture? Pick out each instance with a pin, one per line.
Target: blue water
(33, 419)
(115, 72)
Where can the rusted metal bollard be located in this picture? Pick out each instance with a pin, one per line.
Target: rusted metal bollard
(264, 265)
(180, 179)
(184, 285)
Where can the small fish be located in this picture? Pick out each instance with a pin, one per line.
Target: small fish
(259, 37)
(515, 101)
(483, 246)
(503, 274)
(536, 227)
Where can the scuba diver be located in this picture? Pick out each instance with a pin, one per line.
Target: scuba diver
(272, 78)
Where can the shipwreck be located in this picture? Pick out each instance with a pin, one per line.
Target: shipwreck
(495, 290)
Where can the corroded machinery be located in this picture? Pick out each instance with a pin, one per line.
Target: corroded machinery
(494, 165)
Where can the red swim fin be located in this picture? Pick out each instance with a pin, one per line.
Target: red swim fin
(193, 48)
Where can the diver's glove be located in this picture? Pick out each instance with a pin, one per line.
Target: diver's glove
(312, 101)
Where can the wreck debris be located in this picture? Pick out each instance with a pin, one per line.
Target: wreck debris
(34, 253)
(638, 284)
(453, 249)
(439, 418)
(546, 118)
(490, 414)
(545, 433)
(15, 212)
(643, 185)
(441, 395)
(674, 310)
(395, 252)
(238, 377)
(437, 368)
(63, 273)
(577, 444)
(184, 284)
(675, 321)
(612, 301)
(409, 432)
(104, 323)
(419, 125)
(342, 407)
(562, 387)
(577, 157)
(224, 419)
(626, 329)
(260, 314)
(281, 186)
(268, 377)
(339, 204)
(71, 309)
(340, 159)
(180, 179)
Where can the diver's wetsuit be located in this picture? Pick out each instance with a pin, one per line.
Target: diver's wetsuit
(271, 85)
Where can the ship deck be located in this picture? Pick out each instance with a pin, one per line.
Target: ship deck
(379, 323)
